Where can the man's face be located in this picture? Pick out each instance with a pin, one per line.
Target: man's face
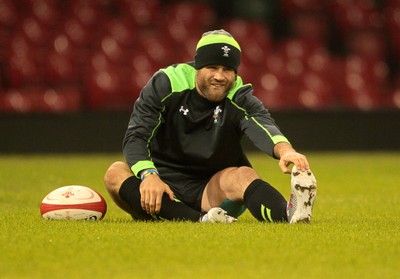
(214, 82)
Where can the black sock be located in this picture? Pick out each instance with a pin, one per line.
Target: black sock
(170, 210)
(265, 202)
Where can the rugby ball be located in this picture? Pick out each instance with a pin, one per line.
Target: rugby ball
(73, 202)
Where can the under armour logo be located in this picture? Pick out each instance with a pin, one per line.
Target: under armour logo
(226, 50)
(183, 110)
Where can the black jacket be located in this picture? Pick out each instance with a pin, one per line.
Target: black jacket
(176, 130)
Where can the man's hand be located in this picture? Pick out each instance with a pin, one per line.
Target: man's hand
(152, 189)
(287, 156)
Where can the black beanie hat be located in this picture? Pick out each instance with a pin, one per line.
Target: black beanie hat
(217, 48)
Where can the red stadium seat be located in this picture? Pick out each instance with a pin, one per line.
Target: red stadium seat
(8, 13)
(103, 87)
(393, 98)
(108, 86)
(142, 13)
(394, 101)
(62, 44)
(320, 61)
(62, 99)
(46, 11)
(310, 26)
(63, 61)
(248, 73)
(180, 31)
(354, 14)
(41, 99)
(245, 30)
(80, 35)
(14, 101)
(295, 69)
(35, 32)
(392, 13)
(363, 99)
(113, 51)
(90, 13)
(185, 12)
(373, 72)
(140, 62)
(364, 83)
(396, 44)
(367, 43)
(188, 50)
(293, 58)
(297, 48)
(291, 7)
(65, 47)
(134, 84)
(24, 62)
(276, 64)
(61, 69)
(98, 61)
(316, 92)
(255, 50)
(122, 32)
(271, 92)
(314, 100)
(158, 47)
(5, 36)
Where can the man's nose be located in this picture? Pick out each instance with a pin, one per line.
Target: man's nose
(218, 75)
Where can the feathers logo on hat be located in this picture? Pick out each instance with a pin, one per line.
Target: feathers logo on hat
(226, 50)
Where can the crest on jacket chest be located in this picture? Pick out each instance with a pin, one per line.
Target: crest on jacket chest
(184, 110)
(217, 111)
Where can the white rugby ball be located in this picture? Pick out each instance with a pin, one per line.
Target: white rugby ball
(73, 202)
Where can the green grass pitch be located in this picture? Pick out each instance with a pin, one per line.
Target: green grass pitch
(354, 231)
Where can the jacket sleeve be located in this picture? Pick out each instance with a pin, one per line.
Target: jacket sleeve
(257, 123)
(146, 117)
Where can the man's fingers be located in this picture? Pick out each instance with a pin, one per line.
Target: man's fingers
(284, 166)
(301, 164)
(143, 200)
(299, 160)
(157, 206)
(148, 205)
(171, 195)
(151, 196)
(152, 204)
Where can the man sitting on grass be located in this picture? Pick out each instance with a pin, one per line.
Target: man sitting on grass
(184, 159)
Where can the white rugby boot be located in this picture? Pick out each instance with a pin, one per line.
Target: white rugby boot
(302, 197)
(217, 215)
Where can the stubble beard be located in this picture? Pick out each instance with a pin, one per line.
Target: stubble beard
(214, 93)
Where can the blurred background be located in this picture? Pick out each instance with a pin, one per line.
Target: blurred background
(72, 55)
(80, 56)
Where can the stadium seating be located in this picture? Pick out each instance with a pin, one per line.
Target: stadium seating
(97, 55)
(41, 100)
